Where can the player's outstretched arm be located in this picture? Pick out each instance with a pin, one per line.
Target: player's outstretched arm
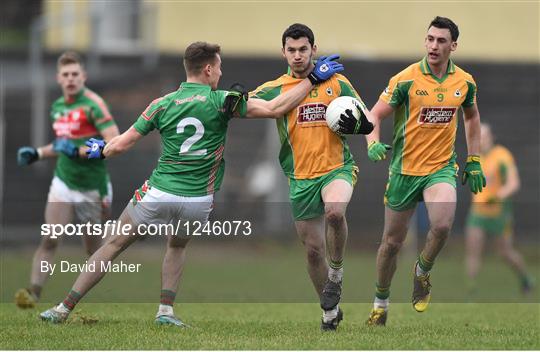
(473, 173)
(324, 69)
(27, 155)
(377, 150)
(281, 105)
(99, 149)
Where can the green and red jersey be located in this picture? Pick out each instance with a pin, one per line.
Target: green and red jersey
(79, 119)
(193, 129)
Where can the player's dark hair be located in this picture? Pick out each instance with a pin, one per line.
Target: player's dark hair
(198, 55)
(68, 58)
(296, 31)
(443, 22)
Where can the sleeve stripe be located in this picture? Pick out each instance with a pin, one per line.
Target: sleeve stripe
(149, 117)
(99, 101)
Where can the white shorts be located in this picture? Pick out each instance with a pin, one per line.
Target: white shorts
(158, 207)
(87, 205)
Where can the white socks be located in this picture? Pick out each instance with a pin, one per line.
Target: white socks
(164, 310)
(419, 271)
(381, 303)
(335, 275)
(329, 315)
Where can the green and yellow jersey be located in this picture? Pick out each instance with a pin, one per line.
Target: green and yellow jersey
(79, 119)
(309, 149)
(496, 164)
(426, 116)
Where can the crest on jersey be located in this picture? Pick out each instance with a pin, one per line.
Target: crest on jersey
(457, 94)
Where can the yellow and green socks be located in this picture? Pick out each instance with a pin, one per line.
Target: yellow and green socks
(424, 265)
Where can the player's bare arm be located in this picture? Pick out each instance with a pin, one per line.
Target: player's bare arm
(46, 151)
(379, 112)
(471, 119)
(324, 68)
(282, 104)
(377, 150)
(122, 143)
(473, 170)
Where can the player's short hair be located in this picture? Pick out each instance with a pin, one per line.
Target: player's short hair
(296, 31)
(68, 58)
(198, 55)
(444, 22)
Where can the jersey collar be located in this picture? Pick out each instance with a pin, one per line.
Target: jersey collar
(193, 85)
(76, 97)
(426, 70)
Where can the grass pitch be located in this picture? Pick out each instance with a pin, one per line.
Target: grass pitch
(261, 298)
(286, 326)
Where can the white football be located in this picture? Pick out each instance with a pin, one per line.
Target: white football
(338, 107)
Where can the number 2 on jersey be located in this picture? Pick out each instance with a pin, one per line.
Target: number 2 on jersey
(189, 142)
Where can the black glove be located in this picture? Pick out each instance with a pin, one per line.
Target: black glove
(348, 124)
(27, 155)
(236, 94)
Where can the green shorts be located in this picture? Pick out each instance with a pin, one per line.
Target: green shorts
(499, 225)
(305, 195)
(404, 191)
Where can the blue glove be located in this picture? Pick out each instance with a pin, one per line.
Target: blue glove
(62, 145)
(27, 155)
(96, 148)
(325, 68)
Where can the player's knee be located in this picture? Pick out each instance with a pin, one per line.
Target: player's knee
(390, 247)
(118, 244)
(315, 254)
(49, 244)
(441, 231)
(177, 243)
(334, 216)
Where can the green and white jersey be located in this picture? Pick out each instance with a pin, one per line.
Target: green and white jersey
(78, 120)
(193, 130)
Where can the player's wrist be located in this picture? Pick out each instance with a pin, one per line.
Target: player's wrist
(473, 158)
(372, 143)
(39, 152)
(312, 78)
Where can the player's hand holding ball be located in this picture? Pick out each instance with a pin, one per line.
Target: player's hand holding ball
(325, 68)
(473, 174)
(96, 148)
(27, 155)
(351, 124)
